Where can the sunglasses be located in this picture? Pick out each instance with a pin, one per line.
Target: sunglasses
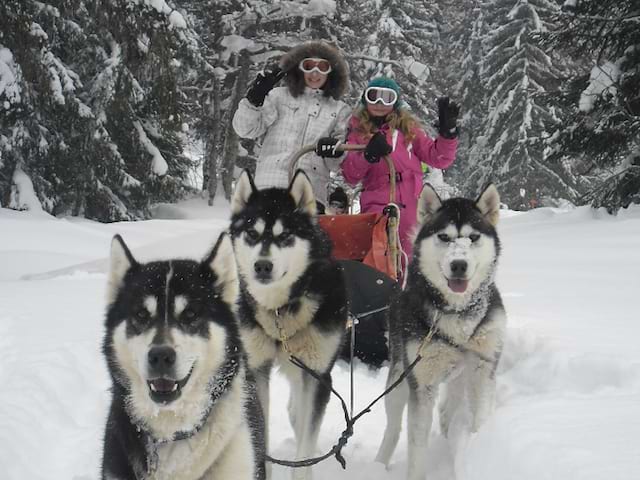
(319, 65)
(386, 96)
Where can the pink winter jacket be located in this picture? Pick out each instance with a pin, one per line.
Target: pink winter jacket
(406, 159)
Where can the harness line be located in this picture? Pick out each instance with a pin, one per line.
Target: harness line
(350, 419)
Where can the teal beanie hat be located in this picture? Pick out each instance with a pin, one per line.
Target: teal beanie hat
(384, 82)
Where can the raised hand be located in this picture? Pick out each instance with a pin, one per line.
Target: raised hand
(263, 84)
(447, 117)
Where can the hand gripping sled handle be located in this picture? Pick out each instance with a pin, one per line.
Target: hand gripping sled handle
(345, 147)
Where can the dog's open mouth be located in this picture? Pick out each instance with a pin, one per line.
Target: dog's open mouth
(458, 285)
(269, 279)
(166, 390)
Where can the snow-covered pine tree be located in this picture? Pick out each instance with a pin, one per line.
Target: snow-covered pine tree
(516, 73)
(603, 124)
(464, 60)
(91, 120)
(43, 124)
(407, 34)
(145, 50)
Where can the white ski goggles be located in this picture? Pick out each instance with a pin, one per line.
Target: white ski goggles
(311, 64)
(386, 96)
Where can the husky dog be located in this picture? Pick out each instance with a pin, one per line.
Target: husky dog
(451, 314)
(183, 404)
(292, 298)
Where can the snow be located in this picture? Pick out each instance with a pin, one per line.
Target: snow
(602, 80)
(175, 18)
(158, 163)
(419, 70)
(321, 7)
(9, 87)
(234, 44)
(568, 399)
(23, 197)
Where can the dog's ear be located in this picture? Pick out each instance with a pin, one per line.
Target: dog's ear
(244, 188)
(121, 260)
(222, 263)
(489, 204)
(302, 192)
(428, 204)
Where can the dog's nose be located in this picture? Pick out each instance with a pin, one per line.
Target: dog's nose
(263, 268)
(161, 358)
(458, 268)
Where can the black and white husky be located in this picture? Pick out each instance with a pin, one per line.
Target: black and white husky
(292, 298)
(183, 404)
(451, 314)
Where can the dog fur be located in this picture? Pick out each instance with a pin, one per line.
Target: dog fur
(450, 283)
(292, 298)
(184, 405)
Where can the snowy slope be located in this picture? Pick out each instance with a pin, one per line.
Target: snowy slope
(568, 386)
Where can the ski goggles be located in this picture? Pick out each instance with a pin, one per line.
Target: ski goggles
(386, 96)
(319, 65)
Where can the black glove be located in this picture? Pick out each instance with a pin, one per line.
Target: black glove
(377, 148)
(447, 117)
(263, 84)
(326, 147)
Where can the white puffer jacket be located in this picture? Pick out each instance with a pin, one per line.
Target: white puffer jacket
(287, 123)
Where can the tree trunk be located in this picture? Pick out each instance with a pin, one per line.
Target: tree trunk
(212, 144)
(231, 142)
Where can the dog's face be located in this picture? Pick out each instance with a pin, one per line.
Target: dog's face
(170, 327)
(457, 245)
(272, 232)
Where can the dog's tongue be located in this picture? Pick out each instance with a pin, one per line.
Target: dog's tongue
(163, 385)
(458, 285)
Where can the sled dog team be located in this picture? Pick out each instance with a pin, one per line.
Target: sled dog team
(190, 345)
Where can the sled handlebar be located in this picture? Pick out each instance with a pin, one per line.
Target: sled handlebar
(345, 147)
(392, 226)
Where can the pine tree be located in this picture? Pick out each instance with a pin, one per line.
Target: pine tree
(465, 43)
(407, 34)
(517, 73)
(603, 123)
(92, 117)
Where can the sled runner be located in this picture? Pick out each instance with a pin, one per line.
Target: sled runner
(368, 248)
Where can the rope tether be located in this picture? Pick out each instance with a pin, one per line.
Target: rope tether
(350, 420)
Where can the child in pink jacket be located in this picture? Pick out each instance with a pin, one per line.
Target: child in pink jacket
(387, 129)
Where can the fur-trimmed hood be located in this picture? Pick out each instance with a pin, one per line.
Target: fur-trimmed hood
(338, 81)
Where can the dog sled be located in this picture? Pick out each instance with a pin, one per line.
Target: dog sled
(367, 246)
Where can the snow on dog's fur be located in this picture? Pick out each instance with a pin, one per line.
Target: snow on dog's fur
(183, 405)
(292, 298)
(450, 284)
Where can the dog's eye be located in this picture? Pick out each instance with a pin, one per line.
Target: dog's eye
(141, 317)
(474, 237)
(252, 234)
(189, 314)
(444, 237)
(284, 236)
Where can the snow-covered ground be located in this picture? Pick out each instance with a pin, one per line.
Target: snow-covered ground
(568, 385)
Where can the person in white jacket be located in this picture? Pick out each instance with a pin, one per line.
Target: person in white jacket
(306, 110)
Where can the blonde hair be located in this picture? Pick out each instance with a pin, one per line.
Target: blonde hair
(398, 119)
